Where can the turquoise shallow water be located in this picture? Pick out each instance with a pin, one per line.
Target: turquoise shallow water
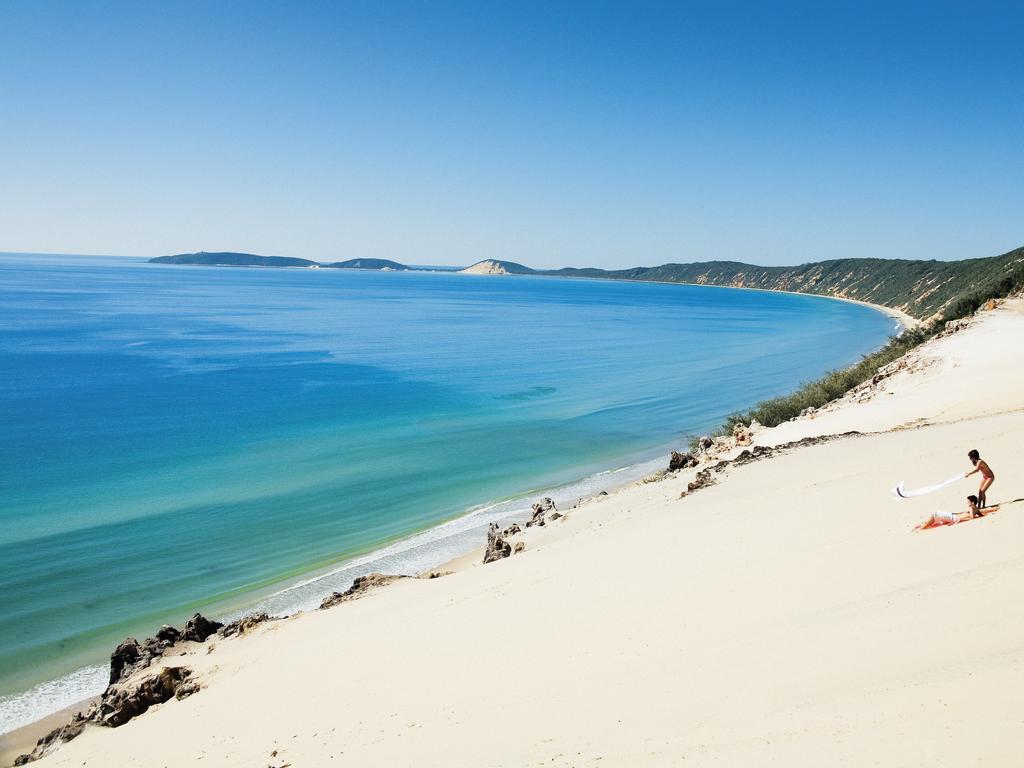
(176, 438)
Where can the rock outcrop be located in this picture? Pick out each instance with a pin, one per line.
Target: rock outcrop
(360, 587)
(198, 628)
(243, 625)
(118, 704)
(497, 548)
(129, 694)
(540, 510)
(125, 660)
(129, 656)
(679, 461)
(706, 477)
(741, 434)
(702, 480)
(54, 739)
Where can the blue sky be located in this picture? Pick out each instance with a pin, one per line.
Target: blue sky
(547, 133)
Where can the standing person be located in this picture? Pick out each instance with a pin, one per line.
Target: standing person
(987, 475)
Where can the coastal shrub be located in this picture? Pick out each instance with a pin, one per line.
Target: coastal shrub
(952, 290)
(829, 387)
(920, 287)
(997, 287)
(835, 384)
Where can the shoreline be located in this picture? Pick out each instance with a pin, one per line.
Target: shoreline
(40, 726)
(908, 322)
(734, 709)
(882, 417)
(22, 739)
(476, 518)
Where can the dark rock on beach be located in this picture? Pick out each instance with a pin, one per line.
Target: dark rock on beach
(679, 461)
(359, 587)
(130, 656)
(118, 704)
(497, 548)
(198, 628)
(540, 509)
(705, 477)
(128, 695)
(54, 738)
(702, 480)
(243, 625)
(126, 659)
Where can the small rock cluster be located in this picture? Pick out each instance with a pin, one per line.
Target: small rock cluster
(129, 694)
(909, 363)
(360, 587)
(678, 461)
(707, 476)
(702, 480)
(540, 510)
(498, 547)
(952, 326)
(709, 448)
(243, 625)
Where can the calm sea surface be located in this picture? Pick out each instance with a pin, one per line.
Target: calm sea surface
(175, 439)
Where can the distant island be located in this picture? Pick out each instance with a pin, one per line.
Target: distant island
(230, 259)
(920, 288)
(384, 265)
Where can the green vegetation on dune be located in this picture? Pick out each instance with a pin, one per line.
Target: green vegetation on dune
(920, 288)
(958, 293)
(832, 385)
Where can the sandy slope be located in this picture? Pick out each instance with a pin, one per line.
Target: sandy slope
(786, 616)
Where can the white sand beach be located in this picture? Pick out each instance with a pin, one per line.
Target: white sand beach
(787, 615)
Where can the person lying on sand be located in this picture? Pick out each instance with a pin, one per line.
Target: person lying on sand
(952, 518)
(987, 475)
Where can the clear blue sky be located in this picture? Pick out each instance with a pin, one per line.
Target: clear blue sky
(551, 134)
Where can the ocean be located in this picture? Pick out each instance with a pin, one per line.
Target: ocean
(179, 439)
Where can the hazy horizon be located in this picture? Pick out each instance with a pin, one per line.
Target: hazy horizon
(424, 265)
(576, 135)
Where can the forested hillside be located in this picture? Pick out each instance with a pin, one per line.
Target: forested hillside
(919, 288)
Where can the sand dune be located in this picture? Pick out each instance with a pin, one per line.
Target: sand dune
(786, 616)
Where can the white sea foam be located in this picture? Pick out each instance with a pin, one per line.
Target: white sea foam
(52, 696)
(415, 554)
(436, 546)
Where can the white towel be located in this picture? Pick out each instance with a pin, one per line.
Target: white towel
(900, 492)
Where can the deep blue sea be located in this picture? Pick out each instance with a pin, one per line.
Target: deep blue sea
(175, 438)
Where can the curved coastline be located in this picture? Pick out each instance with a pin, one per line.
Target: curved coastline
(907, 321)
(34, 729)
(908, 590)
